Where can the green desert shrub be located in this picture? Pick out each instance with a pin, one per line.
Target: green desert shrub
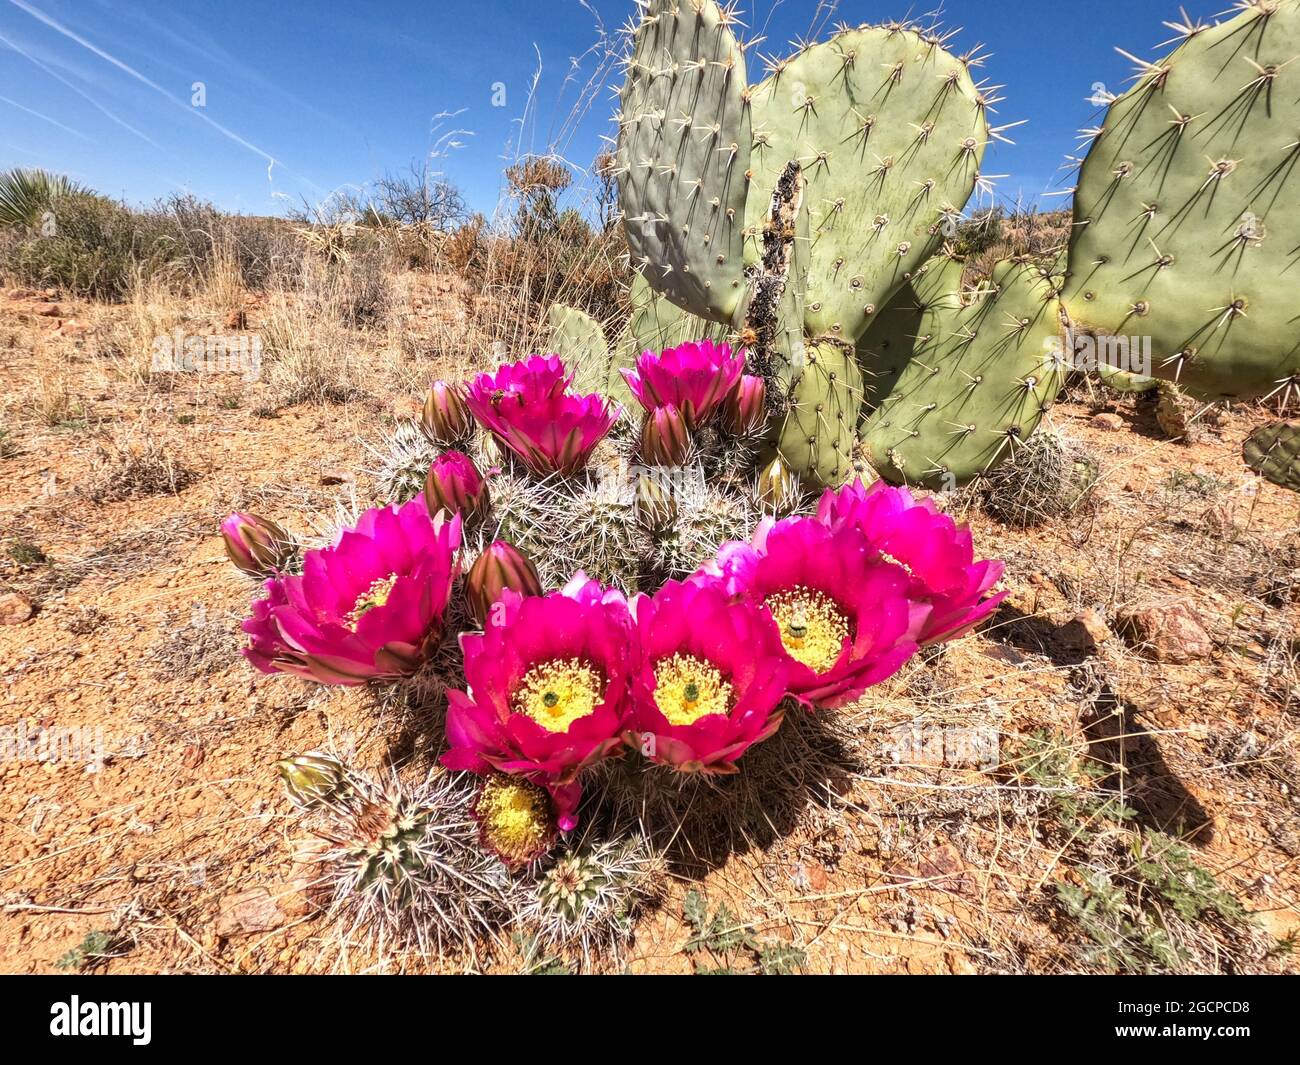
(94, 248)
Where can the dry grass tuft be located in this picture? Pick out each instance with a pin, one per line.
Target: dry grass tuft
(194, 646)
(134, 464)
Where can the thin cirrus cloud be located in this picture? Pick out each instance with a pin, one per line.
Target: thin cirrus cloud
(271, 161)
(48, 69)
(45, 118)
(184, 36)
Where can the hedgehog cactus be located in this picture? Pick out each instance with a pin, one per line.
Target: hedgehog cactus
(1187, 215)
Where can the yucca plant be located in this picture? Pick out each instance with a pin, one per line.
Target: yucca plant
(25, 195)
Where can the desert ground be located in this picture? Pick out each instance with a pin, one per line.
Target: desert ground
(1126, 800)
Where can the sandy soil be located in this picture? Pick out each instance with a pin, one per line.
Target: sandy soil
(885, 868)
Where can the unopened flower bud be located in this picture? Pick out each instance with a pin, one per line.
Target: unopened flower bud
(499, 567)
(258, 546)
(446, 419)
(310, 779)
(455, 485)
(665, 438)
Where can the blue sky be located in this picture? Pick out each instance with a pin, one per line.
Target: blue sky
(304, 97)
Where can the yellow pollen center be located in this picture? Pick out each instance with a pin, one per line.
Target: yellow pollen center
(556, 694)
(516, 817)
(688, 688)
(376, 595)
(813, 628)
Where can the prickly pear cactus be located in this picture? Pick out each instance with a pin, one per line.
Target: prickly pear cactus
(1187, 216)
(981, 376)
(579, 339)
(683, 151)
(819, 434)
(896, 332)
(819, 381)
(1274, 453)
(841, 171)
(889, 129)
(656, 324)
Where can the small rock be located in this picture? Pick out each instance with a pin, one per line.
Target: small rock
(50, 310)
(249, 912)
(22, 294)
(333, 477)
(237, 320)
(15, 608)
(1084, 633)
(192, 757)
(73, 328)
(1108, 422)
(959, 964)
(1167, 631)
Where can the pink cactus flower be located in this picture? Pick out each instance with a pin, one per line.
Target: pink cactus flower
(696, 378)
(369, 608)
(938, 553)
(711, 676)
(842, 612)
(528, 408)
(547, 689)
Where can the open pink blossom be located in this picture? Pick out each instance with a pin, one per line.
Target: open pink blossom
(368, 608)
(696, 378)
(528, 408)
(935, 550)
(547, 689)
(842, 613)
(711, 677)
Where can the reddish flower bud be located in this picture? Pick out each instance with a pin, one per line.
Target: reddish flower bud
(665, 439)
(499, 567)
(745, 411)
(446, 418)
(256, 545)
(455, 485)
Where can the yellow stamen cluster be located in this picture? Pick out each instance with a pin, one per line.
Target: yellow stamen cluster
(688, 688)
(556, 694)
(376, 595)
(515, 818)
(813, 628)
